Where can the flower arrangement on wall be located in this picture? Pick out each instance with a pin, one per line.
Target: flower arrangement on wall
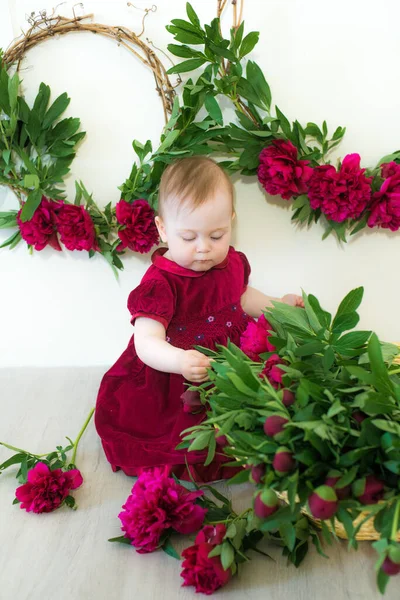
(37, 146)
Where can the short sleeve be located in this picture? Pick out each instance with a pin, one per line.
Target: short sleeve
(246, 269)
(153, 299)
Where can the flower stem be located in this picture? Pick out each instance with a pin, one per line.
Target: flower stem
(19, 450)
(395, 525)
(80, 434)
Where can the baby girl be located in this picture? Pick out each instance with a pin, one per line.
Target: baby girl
(195, 292)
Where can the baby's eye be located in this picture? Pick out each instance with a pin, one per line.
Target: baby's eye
(188, 239)
(216, 237)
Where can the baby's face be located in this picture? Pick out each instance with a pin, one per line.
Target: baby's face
(198, 239)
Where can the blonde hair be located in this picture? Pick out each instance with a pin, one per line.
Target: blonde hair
(192, 181)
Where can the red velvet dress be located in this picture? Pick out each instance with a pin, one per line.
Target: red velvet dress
(139, 412)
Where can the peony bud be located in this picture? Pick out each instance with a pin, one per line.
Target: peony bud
(257, 473)
(221, 440)
(283, 461)
(192, 402)
(391, 564)
(265, 504)
(331, 480)
(288, 398)
(274, 425)
(358, 416)
(368, 490)
(323, 502)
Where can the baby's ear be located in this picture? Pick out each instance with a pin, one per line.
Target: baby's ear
(233, 215)
(161, 228)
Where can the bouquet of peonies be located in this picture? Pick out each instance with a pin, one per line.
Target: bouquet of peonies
(312, 412)
(160, 505)
(47, 479)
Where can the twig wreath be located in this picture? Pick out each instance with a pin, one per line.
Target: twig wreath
(291, 161)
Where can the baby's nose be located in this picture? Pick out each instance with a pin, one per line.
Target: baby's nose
(203, 246)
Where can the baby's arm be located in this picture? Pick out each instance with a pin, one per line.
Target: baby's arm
(254, 302)
(153, 349)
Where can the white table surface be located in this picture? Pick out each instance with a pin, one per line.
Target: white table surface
(65, 555)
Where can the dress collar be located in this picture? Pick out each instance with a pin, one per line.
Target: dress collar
(165, 264)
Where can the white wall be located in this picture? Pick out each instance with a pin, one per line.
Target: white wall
(335, 61)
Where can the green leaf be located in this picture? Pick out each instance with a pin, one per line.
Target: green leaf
(345, 321)
(382, 579)
(56, 109)
(211, 451)
(169, 549)
(311, 314)
(187, 65)
(192, 15)
(288, 533)
(237, 36)
(379, 370)
(183, 51)
(17, 458)
(201, 441)
(41, 101)
(70, 502)
(345, 517)
(13, 85)
(389, 426)
(227, 555)
(32, 202)
(323, 316)
(351, 302)
(121, 539)
(284, 123)
(31, 181)
(12, 241)
(248, 43)
(213, 109)
(310, 348)
(256, 77)
(352, 340)
(240, 477)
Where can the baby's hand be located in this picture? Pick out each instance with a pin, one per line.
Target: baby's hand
(293, 300)
(194, 366)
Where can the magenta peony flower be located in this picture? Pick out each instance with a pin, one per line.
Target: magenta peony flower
(191, 402)
(139, 232)
(343, 194)
(46, 490)
(272, 371)
(157, 502)
(205, 574)
(75, 227)
(280, 172)
(265, 504)
(385, 211)
(254, 340)
(211, 535)
(274, 425)
(323, 502)
(40, 230)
